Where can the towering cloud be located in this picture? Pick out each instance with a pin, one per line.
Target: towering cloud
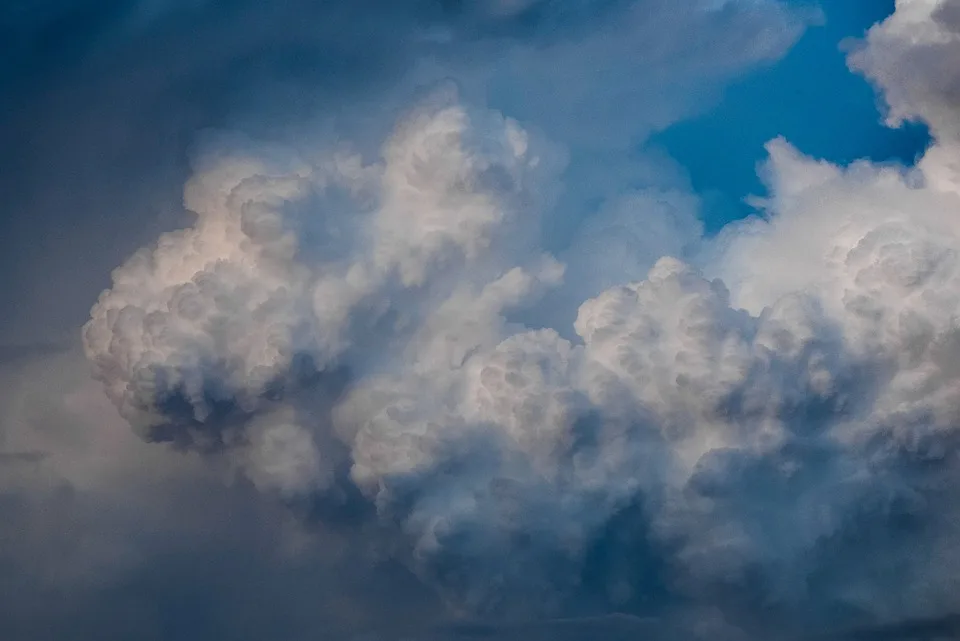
(764, 424)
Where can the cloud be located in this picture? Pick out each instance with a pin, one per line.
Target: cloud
(105, 104)
(107, 537)
(782, 416)
(785, 429)
(365, 327)
(910, 58)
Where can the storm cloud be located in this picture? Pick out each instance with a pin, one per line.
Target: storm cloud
(395, 373)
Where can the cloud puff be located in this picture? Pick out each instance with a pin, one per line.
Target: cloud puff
(785, 423)
(911, 57)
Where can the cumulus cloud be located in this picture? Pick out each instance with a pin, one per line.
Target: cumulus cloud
(774, 410)
(746, 435)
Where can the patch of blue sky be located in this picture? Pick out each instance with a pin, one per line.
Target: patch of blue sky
(810, 97)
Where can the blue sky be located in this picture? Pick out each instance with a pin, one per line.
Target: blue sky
(809, 97)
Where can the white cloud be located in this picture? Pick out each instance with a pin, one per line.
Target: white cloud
(912, 57)
(381, 326)
(760, 426)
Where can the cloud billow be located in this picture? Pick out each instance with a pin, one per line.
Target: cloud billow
(456, 342)
(776, 410)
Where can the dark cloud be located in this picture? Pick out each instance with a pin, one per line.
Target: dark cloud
(932, 629)
(103, 539)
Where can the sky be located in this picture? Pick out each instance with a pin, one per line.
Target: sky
(479, 319)
(810, 97)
